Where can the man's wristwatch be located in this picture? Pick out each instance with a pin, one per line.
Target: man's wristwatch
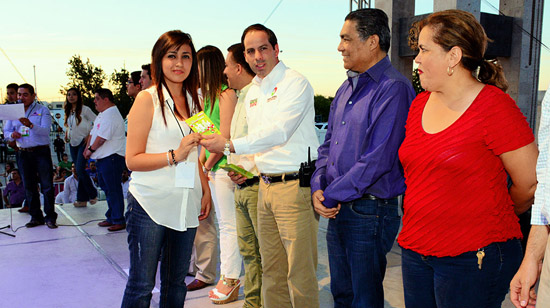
(90, 148)
(227, 148)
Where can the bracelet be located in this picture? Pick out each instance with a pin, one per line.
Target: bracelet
(173, 157)
(168, 158)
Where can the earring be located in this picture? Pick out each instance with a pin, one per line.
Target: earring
(450, 70)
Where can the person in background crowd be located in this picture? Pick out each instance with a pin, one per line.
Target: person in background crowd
(219, 104)
(358, 177)
(14, 193)
(59, 148)
(78, 120)
(31, 134)
(11, 91)
(92, 172)
(281, 128)
(464, 136)
(125, 182)
(163, 214)
(133, 86)
(145, 77)
(70, 188)
(64, 162)
(239, 77)
(106, 144)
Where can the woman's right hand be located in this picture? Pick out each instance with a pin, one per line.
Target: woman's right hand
(187, 143)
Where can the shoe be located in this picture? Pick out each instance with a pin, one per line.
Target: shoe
(196, 285)
(33, 223)
(51, 224)
(93, 201)
(104, 224)
(24, 209)
(79, 203)
(117, 227)
(219, 298)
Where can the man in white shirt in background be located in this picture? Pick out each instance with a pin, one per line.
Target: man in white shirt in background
(107, 145)
(522, 286)
(70, 187)
(281, 129)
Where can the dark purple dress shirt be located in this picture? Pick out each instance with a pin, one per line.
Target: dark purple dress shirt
(17, 192)
(366, 127)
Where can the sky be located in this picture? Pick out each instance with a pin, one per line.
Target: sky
(41, 36)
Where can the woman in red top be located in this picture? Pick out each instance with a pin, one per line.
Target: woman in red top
(460, 235)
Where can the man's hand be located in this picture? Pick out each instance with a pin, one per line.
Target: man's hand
(322, 210)
(213, 143)
(522, 291)
(15, 135)
(87, 153)
(206, 204)
(236, 177)
(25, 121)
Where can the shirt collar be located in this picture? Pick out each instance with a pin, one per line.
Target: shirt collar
(375, 72)
(272, 78)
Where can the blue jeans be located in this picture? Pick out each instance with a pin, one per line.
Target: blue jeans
(457, 282)
(146, 240)
(38, 168)
(109, 173)
(86, 190)
(358, 240)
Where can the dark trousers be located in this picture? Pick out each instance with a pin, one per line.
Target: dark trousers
(38, 168)
(86, 190)
(358, 240)
(109, 173)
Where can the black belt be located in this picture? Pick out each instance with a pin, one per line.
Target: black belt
(36, 148)
(372, 197)
(268, 179)
(248, 182)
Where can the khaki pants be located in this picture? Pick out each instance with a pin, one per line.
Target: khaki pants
(246, 205)
(204, 258)
(543, 294)
(287, 232)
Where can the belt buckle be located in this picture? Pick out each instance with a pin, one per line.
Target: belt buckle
(267, 179)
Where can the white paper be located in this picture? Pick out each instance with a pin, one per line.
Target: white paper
(185, 174)
(12, 111)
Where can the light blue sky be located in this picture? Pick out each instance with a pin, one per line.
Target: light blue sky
(116, 34)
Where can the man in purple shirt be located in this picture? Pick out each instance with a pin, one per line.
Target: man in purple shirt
(14, 194)
(359, 176)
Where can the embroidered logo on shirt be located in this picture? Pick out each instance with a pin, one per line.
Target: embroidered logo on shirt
(272, 98)
(254, 102)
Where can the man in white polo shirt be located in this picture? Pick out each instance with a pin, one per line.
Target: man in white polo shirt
(107, 146)
(281, 129)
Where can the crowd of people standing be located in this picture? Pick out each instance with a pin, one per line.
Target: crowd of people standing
(461, 154)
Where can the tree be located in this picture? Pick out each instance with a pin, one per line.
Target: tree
(122, 100)
(85, 77)
(416, 82)
(322, 107)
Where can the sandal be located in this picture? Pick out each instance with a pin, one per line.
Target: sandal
(219, 298)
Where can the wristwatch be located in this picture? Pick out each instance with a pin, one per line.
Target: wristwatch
(227, 148)
(90, 148)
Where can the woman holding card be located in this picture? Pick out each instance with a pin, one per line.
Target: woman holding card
(167, 195)
(219, 104)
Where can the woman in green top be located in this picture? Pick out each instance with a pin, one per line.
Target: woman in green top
(219, 104)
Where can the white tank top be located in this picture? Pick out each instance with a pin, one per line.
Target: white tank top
(173, 207)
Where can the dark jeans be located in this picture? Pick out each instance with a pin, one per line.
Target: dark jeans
(457, 282)
(37, 168)
(109, 173)
(86, 190)
(146, 240)
(358, 240)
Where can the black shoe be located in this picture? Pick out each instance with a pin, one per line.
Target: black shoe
(33, 223)
(51, 224)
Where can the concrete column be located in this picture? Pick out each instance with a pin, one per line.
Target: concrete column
(396, 9)
(522, 68)
(472, 6)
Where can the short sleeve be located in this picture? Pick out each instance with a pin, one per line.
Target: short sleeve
(506, 128)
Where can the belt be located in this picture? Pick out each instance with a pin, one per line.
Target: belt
(248, 182)
(372, 197)
(36, 148)
(285, 177)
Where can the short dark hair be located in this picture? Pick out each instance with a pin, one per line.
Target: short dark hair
(370, 22)
(134, 77)
(147, 67)
(12, 86)
(259, 27)
(105, 93)
(15, 169)
(237, 52)
(28, 87)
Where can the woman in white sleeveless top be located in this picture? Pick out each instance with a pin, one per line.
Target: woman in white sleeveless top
(167, 195)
